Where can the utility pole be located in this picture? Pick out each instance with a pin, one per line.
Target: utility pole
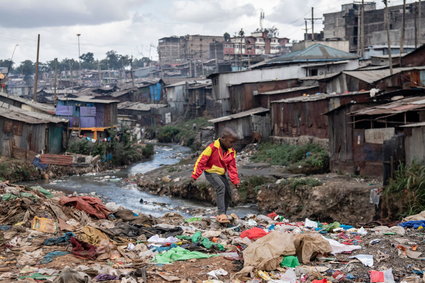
(36, 69)
(215, 54)
(362, 43)
(387, 22)
(131, 71)
(312, 19)
(403, 28)
(79, 55)
(416, 24)
(56, 81)
(420, 23)
(306, 30)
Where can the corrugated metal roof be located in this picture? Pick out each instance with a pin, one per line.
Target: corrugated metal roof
(18, 114)
(89, 99)
(240, 115)
(316, 97)
(314, 53)
(36, 105)
(288, 90)
(371, 76)
(139, 106)
(395, 107)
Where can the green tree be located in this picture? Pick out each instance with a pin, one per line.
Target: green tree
(88, 61)
(26, 68)
(113, 59)
(226, 37)
(7, 64)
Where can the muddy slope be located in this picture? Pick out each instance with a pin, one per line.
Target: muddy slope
(334, 200)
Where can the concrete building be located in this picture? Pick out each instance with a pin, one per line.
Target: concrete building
(344, 25)
(181, 49)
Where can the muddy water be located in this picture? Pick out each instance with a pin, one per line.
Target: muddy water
(113, 187)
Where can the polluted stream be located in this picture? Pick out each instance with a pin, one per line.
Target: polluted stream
(113, 187)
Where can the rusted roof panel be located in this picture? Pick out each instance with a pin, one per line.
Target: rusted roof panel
(395, 107)
(240, 115)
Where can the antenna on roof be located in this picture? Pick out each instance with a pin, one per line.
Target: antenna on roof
(261, 19)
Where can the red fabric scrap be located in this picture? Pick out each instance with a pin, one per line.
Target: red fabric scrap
(376, 276)
(320, 281)
(253, 233)
(82, 249)
(92, 205)
(272, 215)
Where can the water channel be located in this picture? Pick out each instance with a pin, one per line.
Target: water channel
(113, 187)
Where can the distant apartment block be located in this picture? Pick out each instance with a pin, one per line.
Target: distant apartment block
(181, 49)
(344, 25)
(260, 42)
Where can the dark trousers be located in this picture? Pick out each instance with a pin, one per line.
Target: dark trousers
(222, 187)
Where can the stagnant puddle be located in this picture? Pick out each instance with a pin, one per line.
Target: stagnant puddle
(113, 187)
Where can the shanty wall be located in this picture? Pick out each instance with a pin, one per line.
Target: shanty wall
(265, 100)
(246, 126)
(176, 97)
(341, 141)
(242, 96)
(414, 144)
(404, 80)
(16, 134)
(305, 118)
(197, 100)
(417, 58)
(300, 119)
(88, 115)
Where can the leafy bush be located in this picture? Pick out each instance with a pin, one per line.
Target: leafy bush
(182, 132)
(407, 188)
(308, 158)
(123, 151)
(168, 134)
(297, 182)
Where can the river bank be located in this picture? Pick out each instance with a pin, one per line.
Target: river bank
(326, 197)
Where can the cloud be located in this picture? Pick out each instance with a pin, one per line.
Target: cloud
(45, 13)
(209, 11)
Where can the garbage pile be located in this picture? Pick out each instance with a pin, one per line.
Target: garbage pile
(48, 236)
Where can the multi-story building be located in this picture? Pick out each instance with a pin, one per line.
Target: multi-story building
(260, 42)
(344, 25)
(181, 49)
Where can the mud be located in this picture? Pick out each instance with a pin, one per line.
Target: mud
(337, 199)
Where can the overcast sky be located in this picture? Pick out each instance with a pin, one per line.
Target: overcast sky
(133, 27)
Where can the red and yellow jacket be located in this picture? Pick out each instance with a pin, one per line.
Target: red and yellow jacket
(214, 160)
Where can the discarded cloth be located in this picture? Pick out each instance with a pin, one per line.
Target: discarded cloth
(92, 205)
(52, 255)
(253, 233)
(266, 252)
(10, 196)
(63, 239)
(416, 217)
(330, 227)
(413, 224)
(92, 235)
(82, 249)
(290, 261)
(68, 275)
(205, 242)
(37, 163)
(179, 253)
(309, 245)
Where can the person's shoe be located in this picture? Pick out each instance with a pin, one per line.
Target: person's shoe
(222, 218)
